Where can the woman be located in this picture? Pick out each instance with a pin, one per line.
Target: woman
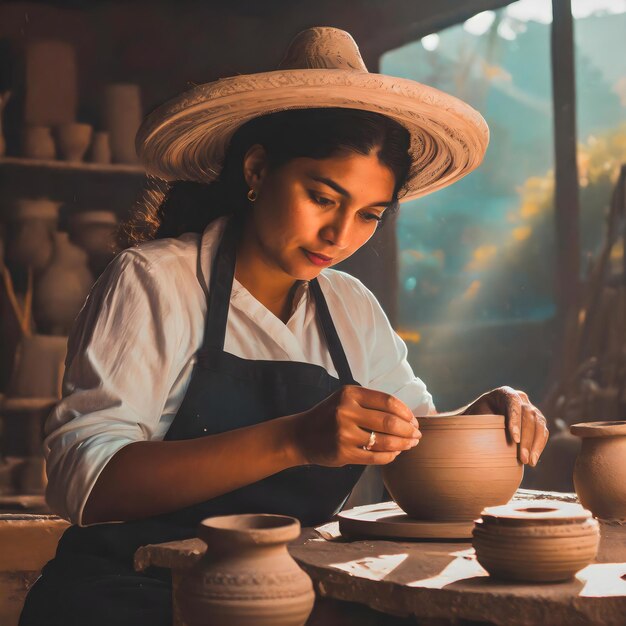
(223, 368)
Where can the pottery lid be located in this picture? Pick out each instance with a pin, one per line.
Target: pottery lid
(522, 512)
(460, 422)
(249, 529)
(599, 429)
(39, 208)
(94, 217)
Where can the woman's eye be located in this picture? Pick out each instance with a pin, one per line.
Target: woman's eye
(320, 199)
(368, 217)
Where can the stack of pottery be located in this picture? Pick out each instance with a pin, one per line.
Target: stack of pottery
(95, 233)
(247, 577)
(535, 540)
(462, 464)
(600, 470)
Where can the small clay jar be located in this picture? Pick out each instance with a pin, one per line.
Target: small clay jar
(61, 289)
(101, 148)
(31, 228)
(73, 139)
(600, 469)
(37, 143)
(535, 540)
(462, 464)
(247, 577)
(95, 233)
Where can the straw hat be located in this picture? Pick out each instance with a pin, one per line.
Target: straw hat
(186, 138)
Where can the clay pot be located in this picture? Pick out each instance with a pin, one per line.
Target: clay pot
(101, 148)
(535, 540)
(31, 232)
(462, 464)
(95, 233)
(62, 287)
(122, 117)
(38, 368)
(600, 469)
(73, 139)
(247, 576)
(37, 143)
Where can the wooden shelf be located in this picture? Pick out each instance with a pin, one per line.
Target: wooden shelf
(68, 166)
(84, 185)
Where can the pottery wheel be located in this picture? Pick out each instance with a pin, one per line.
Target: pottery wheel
(388, 521)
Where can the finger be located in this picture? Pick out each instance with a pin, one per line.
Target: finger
(388, 443)
(389, 423)
(514, 411)
(540, 439)
(523, 395)
(528, 432)
(376, 458)
(380, 401)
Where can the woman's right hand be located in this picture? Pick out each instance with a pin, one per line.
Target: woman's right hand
(335, 432)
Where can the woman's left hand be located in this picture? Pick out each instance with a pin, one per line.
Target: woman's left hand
(525, 422)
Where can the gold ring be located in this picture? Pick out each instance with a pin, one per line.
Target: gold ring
(371, 442)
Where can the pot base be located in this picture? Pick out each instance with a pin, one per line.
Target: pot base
(387, 520)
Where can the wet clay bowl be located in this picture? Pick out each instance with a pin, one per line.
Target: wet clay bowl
(462, 464)
(246, 577)
(535, 540)
(600, 469)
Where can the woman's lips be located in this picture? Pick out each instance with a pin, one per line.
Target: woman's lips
(317, 259)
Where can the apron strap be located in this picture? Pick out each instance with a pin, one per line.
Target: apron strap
(219, 302)
(337, 353)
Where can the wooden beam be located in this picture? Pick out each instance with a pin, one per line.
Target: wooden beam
(566, 200)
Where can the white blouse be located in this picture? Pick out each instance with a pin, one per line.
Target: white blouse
(133, 346)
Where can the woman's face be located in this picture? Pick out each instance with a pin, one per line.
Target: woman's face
(314, 213)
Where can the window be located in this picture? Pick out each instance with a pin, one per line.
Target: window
(477, 259)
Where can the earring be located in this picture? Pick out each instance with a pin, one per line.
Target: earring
(252, 195)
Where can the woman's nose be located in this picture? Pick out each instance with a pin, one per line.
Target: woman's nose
(337, 232)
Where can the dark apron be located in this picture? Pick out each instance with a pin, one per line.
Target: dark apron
(91, 581)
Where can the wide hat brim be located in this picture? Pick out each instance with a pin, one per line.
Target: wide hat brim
(186, 138)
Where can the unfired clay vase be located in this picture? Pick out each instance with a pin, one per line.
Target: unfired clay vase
(73, 139)
(122, 117)
(600, 470)
(38, 143)
(247, 577)
(62, 287)
(94, 232)
(100, 151)
(38, 368)
(462, 464)
(31, 228)
(49, 82)
(536, 540)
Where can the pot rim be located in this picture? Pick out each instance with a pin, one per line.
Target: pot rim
(250, 528)
(531, 511)
(599, 429)
(456, 422)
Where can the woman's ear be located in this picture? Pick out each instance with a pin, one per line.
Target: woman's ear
(255, 166)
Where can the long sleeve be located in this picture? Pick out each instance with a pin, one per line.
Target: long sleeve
(123, 358)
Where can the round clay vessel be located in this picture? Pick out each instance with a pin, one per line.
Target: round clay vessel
(73, 139)
(61, 288)
(600, 469)
(247, 576)
(101, 147)
(123, 113)
(462, 464)
(37, 143)
(535, 540)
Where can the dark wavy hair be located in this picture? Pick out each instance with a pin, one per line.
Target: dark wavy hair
(316, 133)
